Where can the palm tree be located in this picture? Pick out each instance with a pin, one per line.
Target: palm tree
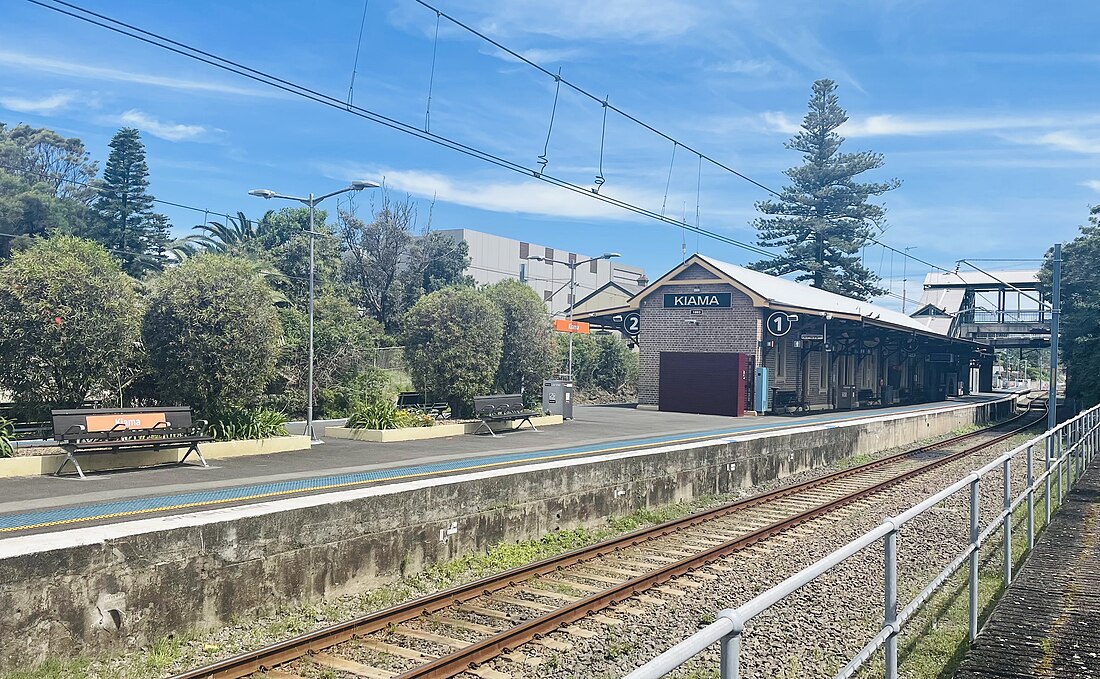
(216, 237)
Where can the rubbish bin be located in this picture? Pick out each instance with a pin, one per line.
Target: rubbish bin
(557, 398)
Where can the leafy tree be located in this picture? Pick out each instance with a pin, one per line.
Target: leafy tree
(70, 321)
(343, 372)
(212, 334)
(283, 239)
(1080, 318)
(437, 261)
(823, 219)
(44, 184)
(601, 362)
(31, 210)
(376, 254)
(42, 156)
(529, 349)
(453, 345)
(390, 266)
(123, 213)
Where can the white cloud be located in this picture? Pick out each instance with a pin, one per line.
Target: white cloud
(68, 68)
(1093, 184)
(888, 124)
(549, 56)
(751, 67)
(530, 197)
(1067, 141)
(157, 128)
(42, 106)
(654, 20)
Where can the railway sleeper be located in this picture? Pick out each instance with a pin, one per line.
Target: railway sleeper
(350, 666)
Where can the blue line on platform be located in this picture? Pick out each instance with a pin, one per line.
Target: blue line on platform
(92, 512)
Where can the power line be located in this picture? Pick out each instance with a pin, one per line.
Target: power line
(290, 87)
(601, 101)
(101, 189)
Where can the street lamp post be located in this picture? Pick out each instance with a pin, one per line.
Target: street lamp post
(572, 290)
(311, 203)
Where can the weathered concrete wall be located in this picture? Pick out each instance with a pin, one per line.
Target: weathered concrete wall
(122, 592)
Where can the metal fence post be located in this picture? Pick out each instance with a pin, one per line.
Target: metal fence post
(1030, 498)
(1058, 467)
(890, 614)
(731, 656)
(1046, 495)
(1008, 522)
(974, 494)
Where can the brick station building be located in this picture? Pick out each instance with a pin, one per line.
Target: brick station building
(704, 328)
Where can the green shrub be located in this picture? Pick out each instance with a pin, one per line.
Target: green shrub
(255, 423)
(454, 341)
(7, 433)
(68, 321)
(212, 335)
(386, 415)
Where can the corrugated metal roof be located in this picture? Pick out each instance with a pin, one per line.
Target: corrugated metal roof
(947, 299)
(962, 278)
(937, 324)
(782, 291)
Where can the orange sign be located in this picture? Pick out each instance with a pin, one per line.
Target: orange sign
(131, 420)
(563, 325)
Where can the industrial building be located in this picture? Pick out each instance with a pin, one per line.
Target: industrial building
(495, 258)
(718, 338)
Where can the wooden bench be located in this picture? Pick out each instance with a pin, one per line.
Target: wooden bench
(113, 430)
(787, 402)
(867, 397)
(502, 408)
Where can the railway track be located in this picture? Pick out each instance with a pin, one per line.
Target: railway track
(456, 631)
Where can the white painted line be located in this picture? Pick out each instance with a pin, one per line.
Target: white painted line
(90, 535)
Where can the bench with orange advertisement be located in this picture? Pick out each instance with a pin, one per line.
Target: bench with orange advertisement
(113, 430)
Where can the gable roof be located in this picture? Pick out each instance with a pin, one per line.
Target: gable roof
(788, 293)
(770, 291)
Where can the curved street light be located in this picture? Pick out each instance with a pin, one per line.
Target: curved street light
(311, 202)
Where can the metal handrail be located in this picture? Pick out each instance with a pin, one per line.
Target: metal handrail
(1074, 441)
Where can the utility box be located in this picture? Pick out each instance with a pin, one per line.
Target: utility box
(760, 391)
(557, 398)
(846, 397)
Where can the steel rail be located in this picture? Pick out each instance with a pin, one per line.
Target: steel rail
(491, 647)
(245, 664)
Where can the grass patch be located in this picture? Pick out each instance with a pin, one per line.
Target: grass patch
(935, 641)
(171, 654)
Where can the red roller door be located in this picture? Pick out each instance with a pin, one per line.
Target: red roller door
(704, 383)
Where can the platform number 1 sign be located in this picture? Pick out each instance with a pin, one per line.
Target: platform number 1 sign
(779, 323)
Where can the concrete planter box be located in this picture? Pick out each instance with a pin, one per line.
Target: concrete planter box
(434, 432)
(37, 465)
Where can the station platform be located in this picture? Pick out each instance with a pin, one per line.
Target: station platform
(41, 504)
(1047, 625)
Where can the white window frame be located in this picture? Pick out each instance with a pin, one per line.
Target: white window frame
(780, 360)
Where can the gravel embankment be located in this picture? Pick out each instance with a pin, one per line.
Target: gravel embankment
(817, 629)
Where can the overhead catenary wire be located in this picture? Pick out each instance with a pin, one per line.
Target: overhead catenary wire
(431, 78)
(358, 46)
(290, 87)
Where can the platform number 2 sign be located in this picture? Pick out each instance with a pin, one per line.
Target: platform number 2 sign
(779, 323)
(631, 323)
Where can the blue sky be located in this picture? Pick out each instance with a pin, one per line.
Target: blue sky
(986, 111)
